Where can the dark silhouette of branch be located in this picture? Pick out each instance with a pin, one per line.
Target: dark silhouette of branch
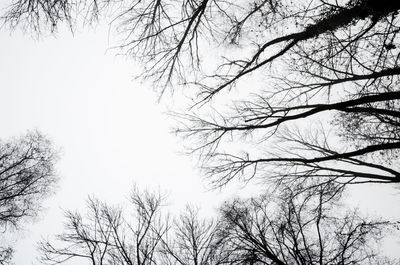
(298, 229)
(106, 236)
(27, 176)
(310, 60)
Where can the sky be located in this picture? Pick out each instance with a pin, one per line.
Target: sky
(110, 130)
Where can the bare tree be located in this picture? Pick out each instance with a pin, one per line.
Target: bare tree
(286, 228)
(292, 61)
(305, 229)
(192, 241)
(108, 235)
(339, 63)
(5, 255)
(27, 175)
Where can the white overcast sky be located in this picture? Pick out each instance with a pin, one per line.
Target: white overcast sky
(110, 128)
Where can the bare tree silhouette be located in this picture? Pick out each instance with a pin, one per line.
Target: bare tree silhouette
(27, 175)
(6, 254)
(306, 229)
(107, 235)
(193, 241)
(292, 61)
(287, 229)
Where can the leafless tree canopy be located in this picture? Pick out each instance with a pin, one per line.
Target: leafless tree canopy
(193, 240)
(305, 229)
(109, 235)
(26, 176)
(277, 65)
(286, 230)
(5, 255)
(303, 93)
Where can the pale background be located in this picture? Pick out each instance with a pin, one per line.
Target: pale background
(111, 131)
